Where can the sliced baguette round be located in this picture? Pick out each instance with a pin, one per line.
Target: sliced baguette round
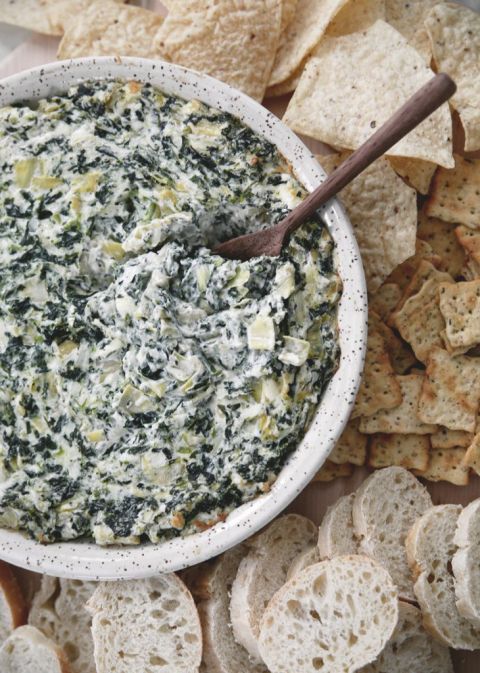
(145, 625)
(303, 560)
(221, 652)
(430, 548)
(263, 571)
(334, 616)
(27, 650)
(59, 611)
(386, 505)
(466, 563)
(336, 536)
(13, 607)
(411, 649)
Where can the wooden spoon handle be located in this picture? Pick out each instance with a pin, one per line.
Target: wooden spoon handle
(417, 108)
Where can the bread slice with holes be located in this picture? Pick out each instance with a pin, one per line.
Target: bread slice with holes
(335, 616)
(430, 548)
(336, 535)
(13, 607)
(411, 649)
(27, 650)
(263, 571)
(466, 563)
(145, 625)
(303, 560)
(59, 611)
(212, 588)
(386, 506)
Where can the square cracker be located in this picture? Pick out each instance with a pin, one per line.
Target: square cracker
(383, 213)
(351, 447)
(446, 465)
(408, 451)
(379, 388)
(469, 239)
(455, 194)
(400, 353)
(448, 439)
(460, 307)
(451, 391)
(331, 471)
(454, 33)
(403, 419)
(418, 174)
(471, 458)
(355, 73)
(106, 28)
(385, 299)
(404, 273)
(441, 236)
(235, 42)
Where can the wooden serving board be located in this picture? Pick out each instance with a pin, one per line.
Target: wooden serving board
(313, 502)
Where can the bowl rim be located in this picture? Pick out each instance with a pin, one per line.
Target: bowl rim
(87, 560)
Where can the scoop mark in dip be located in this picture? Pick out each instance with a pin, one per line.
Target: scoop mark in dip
(147, 386)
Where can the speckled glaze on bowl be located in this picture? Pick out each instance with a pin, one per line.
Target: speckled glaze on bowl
(89, 561)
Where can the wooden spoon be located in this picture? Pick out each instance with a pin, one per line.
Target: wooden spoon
(270, 241)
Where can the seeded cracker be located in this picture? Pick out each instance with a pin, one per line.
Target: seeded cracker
(471, 458)
(302, 35)
(383, 213)
(455, 36)
(108, 29)
(404, 418)
(460, 307)
(408, 451)
(330, 471)
(401, 355)
(444, 241)
(30, 14)
(385, 299)
(379, 388)
(351, 447)
(234, 42)
(424, 272)
(469, 239)
(448, 439)
(355, 73)
(455, 194)
(446, 465)
(451, 391)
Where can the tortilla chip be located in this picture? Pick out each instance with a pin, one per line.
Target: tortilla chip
(442, 238)
(331, 471)
(302, 35)
(446, 465)
(471, 458)
(289, 8)
(288, 85)
(385, 299)
(355, 83)
(351, 447)
(407, 16)
(451, 391)
(383, 213)
(379, 388)
(356, 15)
(469, 239)
(234, 42)
(401, 356)
(447, 439)
(408, 451)
(61, 12)
(460, 307)
(404, 273)
(403, 419)
(455, 37)
(418, 174)
(30, 14)
(455, 194)
(108, 29)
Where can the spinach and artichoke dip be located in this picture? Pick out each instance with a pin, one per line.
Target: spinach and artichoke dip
(147, 386)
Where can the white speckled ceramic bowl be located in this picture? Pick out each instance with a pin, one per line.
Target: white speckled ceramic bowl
(89, 561)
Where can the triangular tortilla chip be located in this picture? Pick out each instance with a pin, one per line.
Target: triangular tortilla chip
(356, 15)
(234, 42)
(455, 193)
(455, 36)
(403, 419)
(30, 14)
(355, 83)
(383, 212)
(289, 8)
(61, 12)
(351, 447)
(408, 451)
(451, 391)
(441, 237)
(446, 465)
(418, 174)
(106, 28)
(302, 35)
(460, 307)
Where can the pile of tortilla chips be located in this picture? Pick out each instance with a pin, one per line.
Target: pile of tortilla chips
(416, 213)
